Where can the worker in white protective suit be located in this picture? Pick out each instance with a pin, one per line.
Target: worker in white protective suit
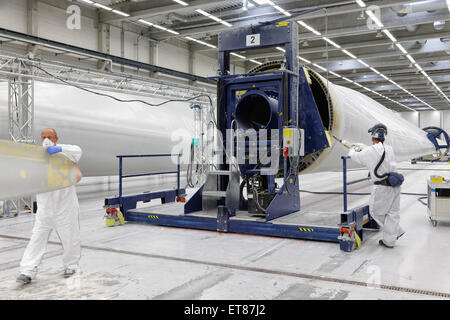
(57, 210)
(384, 203)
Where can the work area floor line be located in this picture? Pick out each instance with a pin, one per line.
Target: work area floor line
(255, 269)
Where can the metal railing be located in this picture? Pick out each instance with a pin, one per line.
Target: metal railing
(122, 176)
(344, 180)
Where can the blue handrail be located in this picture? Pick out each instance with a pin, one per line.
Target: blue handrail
(122, 176)
(344, 180)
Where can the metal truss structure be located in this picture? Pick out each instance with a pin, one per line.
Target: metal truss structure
(21, 72)
(20, 120)
(54, 72)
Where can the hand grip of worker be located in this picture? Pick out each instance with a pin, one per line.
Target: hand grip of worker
(54, 149)
(356, 147)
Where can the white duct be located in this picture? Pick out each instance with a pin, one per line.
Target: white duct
(422, 6)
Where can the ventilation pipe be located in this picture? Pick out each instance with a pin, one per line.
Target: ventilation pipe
(422, 6)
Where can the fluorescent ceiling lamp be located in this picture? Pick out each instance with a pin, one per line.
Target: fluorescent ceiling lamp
(201, 42)
(88, 1)
(309, 28)
(349, 54)
(102, 6)
(164, 29)
(411, 58)
(361, 3)
(206, 14)
(280, 48)
(401, 48)
(261, 2)
(390, 36)
(363, 63)
(145, 22)
(374, 18)
(335, 74)
(124, 14)
(347, 79)
(383, 76)
(172, 31)
(282, 10)
(181, 2)
(304, 60)
(320, 67)
(257, 62)
(331, 42)
(238, 55)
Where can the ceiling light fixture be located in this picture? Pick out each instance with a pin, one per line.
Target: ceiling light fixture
(121, 13)
(309, 28)
(349, 54)
(238, 55)
(102, 6)
(181, 2)
(401, 48)
(331, 42)
(201, 42)
(374, 18)
(206, 14)
(390, 36)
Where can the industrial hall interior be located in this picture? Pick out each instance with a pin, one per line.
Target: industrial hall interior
(236, 150)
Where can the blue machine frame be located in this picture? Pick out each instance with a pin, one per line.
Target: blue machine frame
(288, 84)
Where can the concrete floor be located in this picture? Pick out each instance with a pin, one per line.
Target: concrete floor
(137, 261)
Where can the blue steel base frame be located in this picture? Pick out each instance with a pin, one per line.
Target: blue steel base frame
(223, 223)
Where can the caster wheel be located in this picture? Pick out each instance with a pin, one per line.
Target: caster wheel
(110, 222)
(434, 223)
(121, 218)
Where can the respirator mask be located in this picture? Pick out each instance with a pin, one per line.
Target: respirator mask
(47, 143)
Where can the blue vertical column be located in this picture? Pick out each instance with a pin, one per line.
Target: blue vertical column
(292, 65)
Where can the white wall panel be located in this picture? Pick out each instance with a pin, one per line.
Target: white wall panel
(446, 121)
(170, 56)
(52, 25)
(205, 66)
(13, 15)
(115, 47)
(130, 45)
(143, 50)
(412, 117)
(429, 118)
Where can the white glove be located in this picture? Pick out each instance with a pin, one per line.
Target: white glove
(346, 144)
(356, 147)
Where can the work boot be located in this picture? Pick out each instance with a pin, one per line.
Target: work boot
(69, 272)
(23, 279)
(381, 242)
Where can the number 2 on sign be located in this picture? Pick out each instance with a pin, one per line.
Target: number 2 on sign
(253, 40)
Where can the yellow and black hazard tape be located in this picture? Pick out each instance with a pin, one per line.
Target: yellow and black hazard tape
(306, 229)
(153, 217)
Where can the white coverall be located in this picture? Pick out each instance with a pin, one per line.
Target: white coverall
(57, 210)
(384, 204)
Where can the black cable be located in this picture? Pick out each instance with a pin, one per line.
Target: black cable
(121, 100)
(358, 193)
(420, 200)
